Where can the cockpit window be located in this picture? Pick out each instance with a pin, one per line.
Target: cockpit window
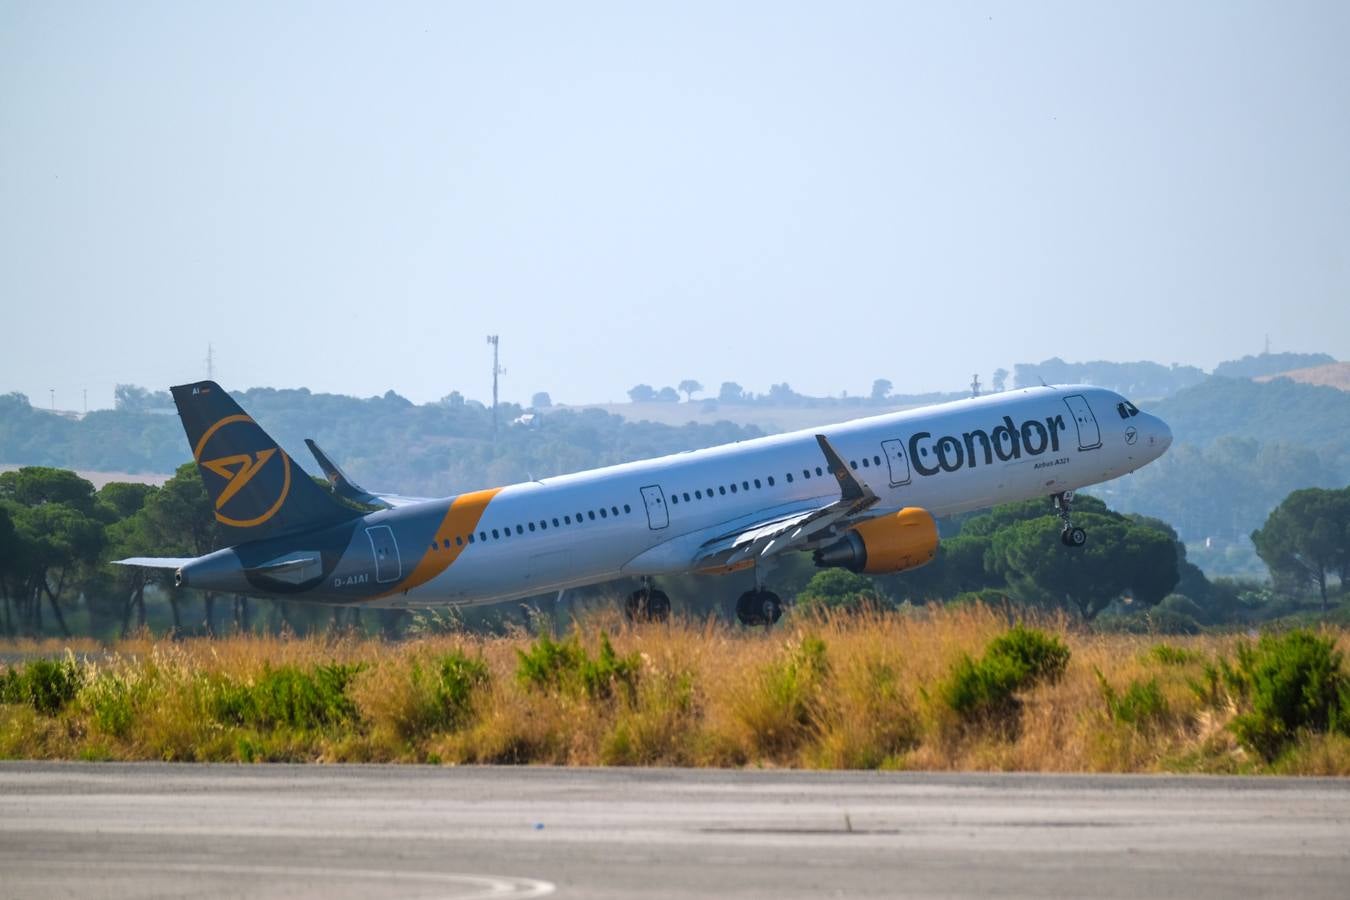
(1127, 409)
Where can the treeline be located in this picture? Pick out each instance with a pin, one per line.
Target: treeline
(58, 536)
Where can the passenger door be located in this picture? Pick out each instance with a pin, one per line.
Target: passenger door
(1089, 434)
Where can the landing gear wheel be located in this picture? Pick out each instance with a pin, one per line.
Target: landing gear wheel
(647, 605)
(1073, 537)
(759, 608)
(1070, 535)
(658, 606)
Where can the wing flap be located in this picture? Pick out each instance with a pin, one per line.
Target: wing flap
(767, 538)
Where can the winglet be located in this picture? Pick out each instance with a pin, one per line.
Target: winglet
(343, 486)
(850, 488)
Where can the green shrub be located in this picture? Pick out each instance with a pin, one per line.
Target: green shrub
(46, 685)
(1142, 704)
(985, 689)
(1284, 684)
(112, 701)
(1039, 656)
(285, 696)
(565, 667)
(1170, 655)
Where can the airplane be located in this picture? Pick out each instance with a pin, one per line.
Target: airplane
(862, 495)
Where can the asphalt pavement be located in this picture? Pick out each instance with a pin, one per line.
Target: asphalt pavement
(172, 830)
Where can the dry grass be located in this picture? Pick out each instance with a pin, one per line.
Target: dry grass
(843, 692)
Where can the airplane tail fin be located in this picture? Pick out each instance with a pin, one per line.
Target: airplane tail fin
(257, 490)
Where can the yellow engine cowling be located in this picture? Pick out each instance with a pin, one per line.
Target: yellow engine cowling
(881, 546)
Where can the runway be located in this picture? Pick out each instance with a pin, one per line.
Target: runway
(113, 830)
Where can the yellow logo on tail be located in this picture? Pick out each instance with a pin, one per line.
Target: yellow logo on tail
(239, 477)
(238, 469)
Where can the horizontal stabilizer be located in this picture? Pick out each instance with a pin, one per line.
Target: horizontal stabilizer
(155, 562)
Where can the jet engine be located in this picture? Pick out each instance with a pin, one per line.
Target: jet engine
(882, 546)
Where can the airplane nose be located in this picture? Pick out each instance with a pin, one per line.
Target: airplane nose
(1162, 435)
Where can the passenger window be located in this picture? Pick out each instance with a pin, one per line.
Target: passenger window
(853, 463)
(447, 543)
(866, 463)
(674, 498)
(745, 485)
(721, 489)
(614, 510)
(471, 537)
(495, 535)
(876, 460)
(591, 514)
(686, 496)
(627, 508)
(555, 521)
(819, 470)
(531, 526)
(770, 481)
(459, 540)
(698, 494)
(806, 473)
(602, 513)
(567, 520)
(756, 484)
(733, 487)
(519, 530)
(482, 535)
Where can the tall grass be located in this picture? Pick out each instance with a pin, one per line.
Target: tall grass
(963, 688)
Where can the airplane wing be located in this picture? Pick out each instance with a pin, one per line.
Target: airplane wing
(767, 538)
(347, 489)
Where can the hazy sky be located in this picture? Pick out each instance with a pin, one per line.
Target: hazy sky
(350, 198)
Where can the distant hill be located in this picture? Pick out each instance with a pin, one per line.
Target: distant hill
(1270, 364)
(1336, 375)
(1275, 410)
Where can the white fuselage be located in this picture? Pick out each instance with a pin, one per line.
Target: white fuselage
(651, 517)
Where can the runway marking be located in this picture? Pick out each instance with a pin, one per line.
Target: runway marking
(484, 887)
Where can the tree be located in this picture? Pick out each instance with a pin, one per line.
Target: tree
(1307, 536)
(1000, 380)
(730, 392)
(60, 533)
(642, 393)
(541, 400)
(667, 395)
(839, 589)
(689, 387)
(881, 389)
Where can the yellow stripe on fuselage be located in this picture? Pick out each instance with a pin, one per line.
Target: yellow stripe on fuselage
(461, 518)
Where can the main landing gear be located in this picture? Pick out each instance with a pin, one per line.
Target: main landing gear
(647, 604)
(1070, 535)
(759, 606)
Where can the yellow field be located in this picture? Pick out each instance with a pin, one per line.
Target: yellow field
(874, 691)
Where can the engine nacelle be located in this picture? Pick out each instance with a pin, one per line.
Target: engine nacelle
(882, 546)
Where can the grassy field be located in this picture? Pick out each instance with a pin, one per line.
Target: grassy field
(947, 689)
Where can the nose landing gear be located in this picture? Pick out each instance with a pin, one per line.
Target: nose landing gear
(1070, 535)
